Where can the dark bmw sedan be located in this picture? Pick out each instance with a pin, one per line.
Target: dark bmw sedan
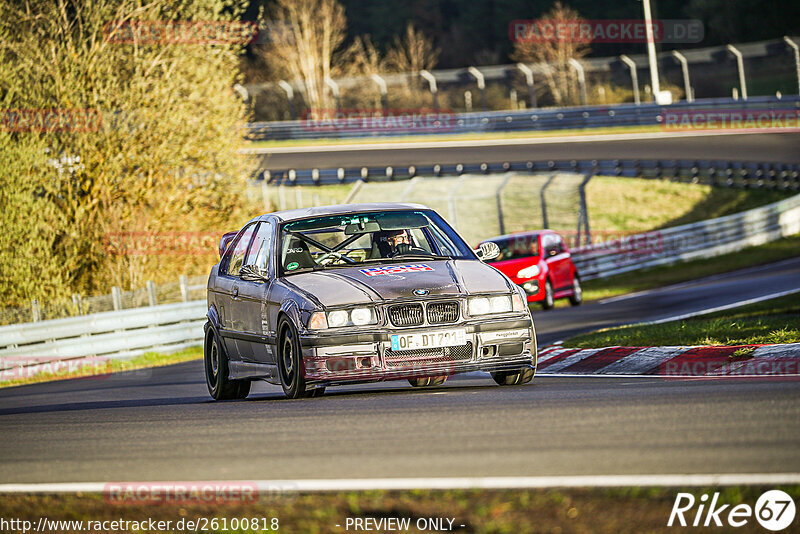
(344, 294)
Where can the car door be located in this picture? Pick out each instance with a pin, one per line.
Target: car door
(254, 295)
(228, 287)
(560, 263)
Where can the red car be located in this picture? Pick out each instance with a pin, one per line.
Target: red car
(541, 263)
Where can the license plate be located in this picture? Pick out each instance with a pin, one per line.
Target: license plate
(429, 340)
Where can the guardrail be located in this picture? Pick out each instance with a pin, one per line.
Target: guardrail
(117, 334)
(697, 240)
(546, 119)
(743, 174)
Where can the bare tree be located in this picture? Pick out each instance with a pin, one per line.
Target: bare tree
(304, 36)
(559, 76)
(412, 53)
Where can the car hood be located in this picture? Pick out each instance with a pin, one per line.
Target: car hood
(343, 286)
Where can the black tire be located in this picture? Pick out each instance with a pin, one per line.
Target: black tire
(290, 362)
(514, 378)
(220, 387)
(577, 292)
(427, 381)
(549, 301)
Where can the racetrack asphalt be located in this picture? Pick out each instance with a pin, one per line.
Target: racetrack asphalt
(160, 424)
(762, 147)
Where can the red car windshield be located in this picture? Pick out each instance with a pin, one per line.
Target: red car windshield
(516, 246)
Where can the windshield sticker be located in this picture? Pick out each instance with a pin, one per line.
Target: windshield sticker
(396, 269)
(292, 266)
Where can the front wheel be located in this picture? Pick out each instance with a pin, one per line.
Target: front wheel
(290, 362)
(577, 292)
(514, 378)
(220, 386)
(427, 381)
(548, 301)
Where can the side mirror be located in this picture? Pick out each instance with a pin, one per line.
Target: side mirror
(488, 250)
(223, 243)
(251, 273)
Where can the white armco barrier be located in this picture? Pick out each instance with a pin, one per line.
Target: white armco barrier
(62, 344)
(691, 241)
(127, 333)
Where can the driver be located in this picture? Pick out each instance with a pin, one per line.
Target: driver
(399, 242)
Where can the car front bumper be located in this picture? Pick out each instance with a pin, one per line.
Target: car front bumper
(367, 356)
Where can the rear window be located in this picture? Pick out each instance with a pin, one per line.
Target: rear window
(514, 247)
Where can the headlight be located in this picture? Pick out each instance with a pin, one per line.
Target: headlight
(479, 306)
(339, 318)
(488, 305)
(361, 316)
(529, 272)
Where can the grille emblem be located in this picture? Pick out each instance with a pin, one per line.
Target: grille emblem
(421, 292)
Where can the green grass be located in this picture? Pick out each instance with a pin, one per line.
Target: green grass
(637, 205)
(788, 247)
(147, 360)
(772, 321)
(640, 509)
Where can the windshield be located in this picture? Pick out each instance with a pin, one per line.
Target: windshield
(516, 246)
(371, 237)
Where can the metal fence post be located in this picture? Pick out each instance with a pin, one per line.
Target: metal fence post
(740, 63)
(687, 86)
(478, 75)
(498, 195)
(36, 310)
(431, 79)
(451, 201)
(796, 49)
(583, 214)
(544, 201)
(335, 90)
(289, 95)
(116, 298)
(77, 303)
(184, 282)
(384, 91)
(151, 293)
(526, 70)
(581, 78)
(634, 77)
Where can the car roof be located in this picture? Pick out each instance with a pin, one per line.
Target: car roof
(341, 209)
(531, 233)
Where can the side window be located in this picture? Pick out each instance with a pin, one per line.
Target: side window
(261, 249)
(559, 244)
(548, 244)
(237, 251)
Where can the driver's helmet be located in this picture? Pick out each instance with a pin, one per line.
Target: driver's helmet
(392, 242)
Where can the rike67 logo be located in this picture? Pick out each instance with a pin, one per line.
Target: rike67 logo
(774, 510)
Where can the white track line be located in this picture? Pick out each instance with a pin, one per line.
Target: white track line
(703, 280)
(464, 143)
(725, 307)
(367, 484)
